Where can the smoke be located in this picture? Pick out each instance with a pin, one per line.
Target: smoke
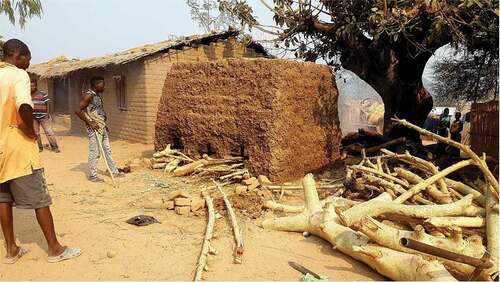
(359, 105)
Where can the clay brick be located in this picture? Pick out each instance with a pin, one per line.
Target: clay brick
(263, 180)
(240, 189)
(249, 181)
(169, 205)
(283, 113)
(183, 210)
(197, 204)
(178, 194)
(253, 186)
(182, 202)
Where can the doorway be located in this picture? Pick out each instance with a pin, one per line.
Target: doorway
(61, 96)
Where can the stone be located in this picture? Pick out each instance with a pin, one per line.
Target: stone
(249, 181)
(263, 180)
(246, 175)
(178, 194)
(183, 210)
(182, 202)
(240, 189)
(260, 193)
(169, 205)
(197, 204)
(252, 186)
(155, 204)
(110, 254)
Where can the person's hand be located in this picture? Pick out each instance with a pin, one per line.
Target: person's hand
(92, 124)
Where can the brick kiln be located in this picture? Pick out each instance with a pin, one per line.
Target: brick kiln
(282, 115)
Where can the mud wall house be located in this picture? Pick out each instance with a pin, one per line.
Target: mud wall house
(134, 79)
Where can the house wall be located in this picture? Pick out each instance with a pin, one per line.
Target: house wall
(484, 128)
(157, 68)
(144, 86)
(125, 124)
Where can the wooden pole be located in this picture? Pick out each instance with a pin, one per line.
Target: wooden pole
(238, 238)
(205, 249)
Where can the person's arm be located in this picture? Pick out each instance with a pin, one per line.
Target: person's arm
(24, 104)
(80, 112)
(26, 113)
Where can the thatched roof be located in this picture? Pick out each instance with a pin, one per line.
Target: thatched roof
(62, 66)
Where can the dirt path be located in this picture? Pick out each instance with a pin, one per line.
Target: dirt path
(92, 216)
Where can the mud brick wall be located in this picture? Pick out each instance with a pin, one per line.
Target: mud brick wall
(281, 114)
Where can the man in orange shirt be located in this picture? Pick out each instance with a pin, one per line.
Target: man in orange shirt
(21, 174)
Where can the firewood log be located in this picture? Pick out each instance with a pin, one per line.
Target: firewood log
(396, 188)
(238, 236)
(189, 168)
(324, 222)
(492, 228)
(206, 247)
(419, 163)
(373, 208)
(480, 163)
(456, 221)
(381, 174)
(337, 201)
(424, 184)
(465, 190)
(439, 196)
(390, 237)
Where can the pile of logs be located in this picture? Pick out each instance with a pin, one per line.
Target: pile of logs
(370, 142)
(405, 218)
(176, 163)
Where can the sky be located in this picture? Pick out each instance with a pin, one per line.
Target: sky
(87, 28)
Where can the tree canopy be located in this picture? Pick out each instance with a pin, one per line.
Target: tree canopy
(209, 17)
(466, 77)
(387, 43)
(19, 11)
(331, 27)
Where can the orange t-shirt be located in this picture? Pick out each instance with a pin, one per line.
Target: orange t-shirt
(19, 154)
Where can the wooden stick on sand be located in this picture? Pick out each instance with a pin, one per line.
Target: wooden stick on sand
(206, 248)
(238, 238)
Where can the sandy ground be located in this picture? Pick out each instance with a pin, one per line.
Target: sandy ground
(92, 216)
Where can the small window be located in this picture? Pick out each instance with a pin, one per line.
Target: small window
(121, 98)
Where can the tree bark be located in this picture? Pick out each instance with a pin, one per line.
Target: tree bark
(324, 223)
(395, 76)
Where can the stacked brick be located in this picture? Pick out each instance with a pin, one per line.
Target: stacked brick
(281, 115)
(183, 203)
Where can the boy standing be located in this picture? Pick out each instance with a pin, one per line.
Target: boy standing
(42, 118)
(91, 111)
(443, 130)
(21, 174)
(456, 134)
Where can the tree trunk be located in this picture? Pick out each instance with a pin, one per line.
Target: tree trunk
(397, 78)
